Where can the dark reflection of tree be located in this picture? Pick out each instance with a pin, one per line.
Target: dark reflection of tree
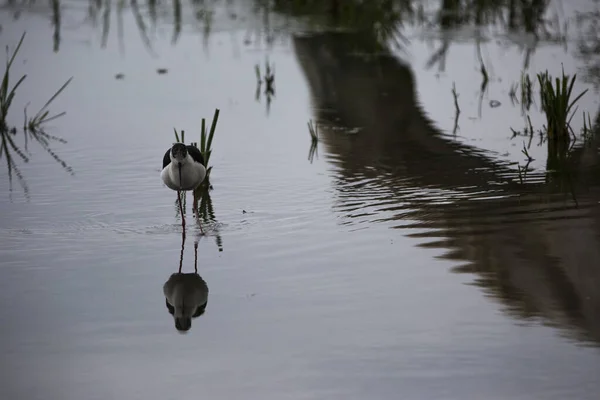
(529, 244)
(385, 18)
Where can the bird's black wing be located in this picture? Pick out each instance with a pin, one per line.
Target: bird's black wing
(195, 153)
(167, 158)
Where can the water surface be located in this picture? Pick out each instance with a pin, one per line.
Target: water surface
(402, 261)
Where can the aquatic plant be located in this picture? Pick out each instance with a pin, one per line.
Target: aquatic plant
(33, 128)
(206, 139)
(557, 104)
(6, 95)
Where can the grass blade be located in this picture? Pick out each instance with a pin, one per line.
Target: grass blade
(203, 137)
(213, 127)
(577, 99)
(59, 91)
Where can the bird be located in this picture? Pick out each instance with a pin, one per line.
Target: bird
(183, 170)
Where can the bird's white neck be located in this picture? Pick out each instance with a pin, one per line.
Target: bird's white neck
(175, 161)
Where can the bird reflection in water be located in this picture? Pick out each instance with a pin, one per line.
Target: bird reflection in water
(186, 294)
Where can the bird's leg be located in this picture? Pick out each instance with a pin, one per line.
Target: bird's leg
(181, 209)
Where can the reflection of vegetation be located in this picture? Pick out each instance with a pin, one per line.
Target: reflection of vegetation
(268, 79)
(587, 130)
(33, 128)
(207, 213)
(525, 87)
(102, 9)
(139, 20)
(56, 23)
(456, 108)
(385, 19)
(313, 130)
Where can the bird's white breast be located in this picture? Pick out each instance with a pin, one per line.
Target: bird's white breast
(192, 175)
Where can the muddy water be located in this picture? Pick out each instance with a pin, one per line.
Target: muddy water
(392, 265)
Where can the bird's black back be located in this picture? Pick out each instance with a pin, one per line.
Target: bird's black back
(192, 151)
(167, 158)
(195, 153)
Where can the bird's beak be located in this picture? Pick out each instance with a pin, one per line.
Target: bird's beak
(179, 165)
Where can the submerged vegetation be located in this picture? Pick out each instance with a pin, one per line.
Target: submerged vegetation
(33, 127)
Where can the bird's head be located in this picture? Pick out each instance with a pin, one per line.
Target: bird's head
(179, 153)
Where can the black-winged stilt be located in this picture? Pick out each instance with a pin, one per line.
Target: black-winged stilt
(183, 170)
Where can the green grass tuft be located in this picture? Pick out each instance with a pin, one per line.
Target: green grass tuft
(557, 104)
(206, 141)
(6, 95)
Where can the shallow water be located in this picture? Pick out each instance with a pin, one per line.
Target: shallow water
(392, 264)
